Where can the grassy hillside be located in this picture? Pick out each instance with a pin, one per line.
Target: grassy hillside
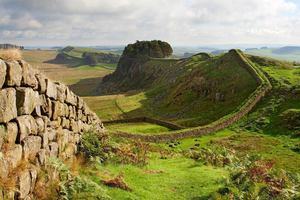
(191, 92)
(83, 79)
(77, 56)
(256, 158)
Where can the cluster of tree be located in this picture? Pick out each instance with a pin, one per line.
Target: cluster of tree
(154, 48)
(10, 46)
(93, 58)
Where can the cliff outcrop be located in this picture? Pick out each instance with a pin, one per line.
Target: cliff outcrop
(130, 71)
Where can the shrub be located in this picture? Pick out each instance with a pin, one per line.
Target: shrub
(73, 187)
(117, 182)
(10, 54)
(95, 146)
(252, 178)
(219, 156)
(133, 153)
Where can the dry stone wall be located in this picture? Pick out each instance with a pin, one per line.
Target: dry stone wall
(246, 107)
(39, 119)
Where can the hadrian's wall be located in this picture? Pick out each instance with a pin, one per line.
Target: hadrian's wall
(244, 109)
(39, 119)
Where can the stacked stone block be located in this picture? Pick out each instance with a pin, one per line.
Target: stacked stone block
(39, 119)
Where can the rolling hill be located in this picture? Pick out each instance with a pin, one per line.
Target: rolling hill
(191, 92)
(76, 56)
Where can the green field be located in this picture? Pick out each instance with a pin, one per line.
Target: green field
(169, 172)
(138, 127)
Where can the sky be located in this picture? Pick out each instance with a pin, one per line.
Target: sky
(179, 22)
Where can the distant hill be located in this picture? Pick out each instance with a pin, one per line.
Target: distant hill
(74, 56)
(218, 52)
(194, 90)
(287, 53)
(287, 50)
(10, 46)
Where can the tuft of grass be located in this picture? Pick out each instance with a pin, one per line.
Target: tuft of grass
(10, 54)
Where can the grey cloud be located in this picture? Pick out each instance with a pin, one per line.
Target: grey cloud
(92, 22)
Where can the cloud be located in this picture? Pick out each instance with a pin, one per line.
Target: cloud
(182, 22)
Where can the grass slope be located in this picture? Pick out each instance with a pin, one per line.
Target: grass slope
(191, 92)
(141, 128)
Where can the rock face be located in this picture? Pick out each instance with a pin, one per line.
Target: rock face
(8, 108)
(130, 66)
(39, 118)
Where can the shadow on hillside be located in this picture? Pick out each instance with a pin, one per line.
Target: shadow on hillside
(68, 63)
(86, 87)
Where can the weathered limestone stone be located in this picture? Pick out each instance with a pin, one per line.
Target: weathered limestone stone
(14, 74)
(66, 110)
(27, 100)
(51, 90)
(71, 112)
(45, 139)
(42, 86)
(37, 110)
(46, 106)
(65, 123)
(70, 97)
(80, 126)
(2, 73)
(77, 138)
(14, 156)
(24, 184)
(42, 156)
(84, 118)
(51, 134)
(53, 146)
(55, 124)
(4, 167)
(29, 78)
(3, 134)
(79, 114)
(33, 176)
(8, 108)
(31, 146)
(41, 126)
(74, 126)
(62, 138)
(80, 102)
(27, 126)
(58, 110)
(61, 92)
(70, 151)
(12, 133)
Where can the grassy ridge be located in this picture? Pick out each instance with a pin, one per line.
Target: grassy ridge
(225, 121)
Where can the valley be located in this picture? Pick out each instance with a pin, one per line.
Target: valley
(191, 93)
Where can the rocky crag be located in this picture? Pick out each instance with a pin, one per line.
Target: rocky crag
(130, 73)
(39, 119)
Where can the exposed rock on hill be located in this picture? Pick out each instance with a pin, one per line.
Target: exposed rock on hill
(131, 70)
(195, 90)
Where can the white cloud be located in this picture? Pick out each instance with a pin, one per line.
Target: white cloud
(190, 22)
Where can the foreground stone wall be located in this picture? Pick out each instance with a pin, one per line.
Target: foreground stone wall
(39, 119)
